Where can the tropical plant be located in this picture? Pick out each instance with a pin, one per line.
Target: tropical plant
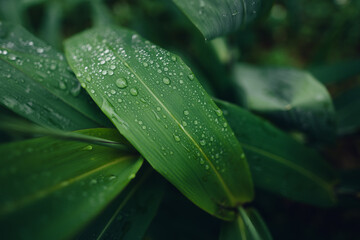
(102, 139)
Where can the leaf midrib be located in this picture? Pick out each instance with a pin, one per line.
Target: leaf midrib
(221, 180)
(47, 191)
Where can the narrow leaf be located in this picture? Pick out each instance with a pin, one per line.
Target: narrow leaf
(156, 102)
(278, 163)
(219, 17)
(130, 215)
(51, 188)
(348, 111)
(290, 97)
(37, 83)
(248, 226)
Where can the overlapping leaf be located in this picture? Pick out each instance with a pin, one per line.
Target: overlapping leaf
(218, 17)
(290, 97)
(37, 83)
(156, 102)
(49, 189)
(278, 163)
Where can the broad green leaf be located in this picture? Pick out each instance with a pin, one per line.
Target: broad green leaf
(37, 83)
(292, 98)
(247, 226)
(156, 102)
(129, 216)
(50, 189)
(278, 163)
(336, 72)
(51, 30)
(219, 17)
(347, 107)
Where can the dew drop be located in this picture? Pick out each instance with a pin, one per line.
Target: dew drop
(111, 73)
(121, 83)
(145, 64)
(112, 91)
(202, 161)
(88, 148)
(207, 167)
(191, 76)
(88, 79)
(202, 142)
(112, 67)
(219, 112)
(177, 138)
(166, 80)
(62, 85)
(186, 112)
(133, 91)
(173, 58)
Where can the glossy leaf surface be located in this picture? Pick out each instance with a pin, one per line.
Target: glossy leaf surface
(37, 83)
(278, 163)
(51, 188)
(218, 17)
(290, 97)
(156, 102)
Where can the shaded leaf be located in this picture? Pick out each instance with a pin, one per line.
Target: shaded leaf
(129, 216)
(51, 188)
(348, 111)
(248, 226)
(336, 72)
(38, 84)
(278, 163)
(219, 17)
(292, 98)
(156, 102)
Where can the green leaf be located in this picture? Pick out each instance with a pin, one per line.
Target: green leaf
(215, 18)
(336, 72)
(278, 163)
(348, 111)
(130, 215)
(292, 98)
(156, 102)
(38, 84)
(248, 226)
(51, 188)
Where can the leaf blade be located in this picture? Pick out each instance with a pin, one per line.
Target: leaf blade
(38, 84)
(274, 156)
(151, 112)
(218, 17)
(72, 187)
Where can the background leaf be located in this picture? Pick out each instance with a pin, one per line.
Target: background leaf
(51, 188)
(348, 111)
(130, 215)
(290, 97)
(218, 17)
(278, 163)
(156, 102)
(38, 84)
(248, 226)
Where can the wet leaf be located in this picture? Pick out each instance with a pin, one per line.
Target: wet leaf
(218, 17)
(38, 84)
(157, 103)
(50, 188)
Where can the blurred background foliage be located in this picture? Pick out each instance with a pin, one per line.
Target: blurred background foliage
(322, 36)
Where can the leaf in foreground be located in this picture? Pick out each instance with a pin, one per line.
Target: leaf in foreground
(248, 226)
(51, 188)
(290, 97)
(156, 102)
(215, 18)
(37, 83)
(278, 163)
